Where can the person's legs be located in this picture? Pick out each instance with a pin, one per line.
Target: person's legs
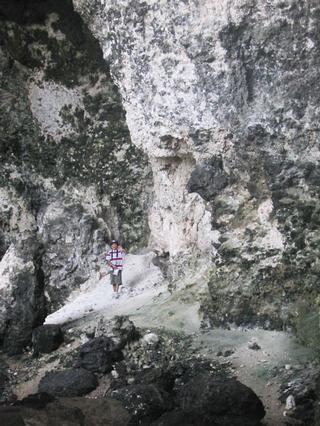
(114, 281)
(118, 280)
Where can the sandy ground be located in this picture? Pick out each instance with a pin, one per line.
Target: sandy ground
(147, 301)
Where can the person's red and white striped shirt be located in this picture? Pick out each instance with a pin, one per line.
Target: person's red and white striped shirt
(116, 257)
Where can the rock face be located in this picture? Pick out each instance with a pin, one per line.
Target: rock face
(22, 302)
(223, 98)
(70, 178)
(222, 107)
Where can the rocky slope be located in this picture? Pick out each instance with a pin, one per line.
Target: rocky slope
(223, 98)
(156, 374)
(155, 378)
(70, 178)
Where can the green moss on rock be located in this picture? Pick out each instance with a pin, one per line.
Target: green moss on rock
(98, 151)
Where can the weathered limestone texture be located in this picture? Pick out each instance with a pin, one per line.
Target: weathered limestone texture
(70, 177)
(223, 96)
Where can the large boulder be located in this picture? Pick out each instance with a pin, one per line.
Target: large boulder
(99, 354)
(47, 338)
(220, 400)
(71, 382)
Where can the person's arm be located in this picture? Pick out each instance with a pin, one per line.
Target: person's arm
(108, 259)
(120, 248)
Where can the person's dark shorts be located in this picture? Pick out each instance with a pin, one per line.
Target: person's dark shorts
(116, 279)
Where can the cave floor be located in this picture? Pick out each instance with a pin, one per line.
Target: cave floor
(146, 300)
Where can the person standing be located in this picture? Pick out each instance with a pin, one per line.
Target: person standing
(115, 258)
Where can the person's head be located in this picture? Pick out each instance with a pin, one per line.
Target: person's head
(114, 244)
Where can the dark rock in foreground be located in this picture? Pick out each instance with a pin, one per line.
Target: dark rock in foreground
(96, 412)
(220, 401)
(144, 402)
(36, 400)
(171, 391)
(99, 354)
(65, 411)
(70, 382)
(189, 396)
(10, 416)
(47, 338)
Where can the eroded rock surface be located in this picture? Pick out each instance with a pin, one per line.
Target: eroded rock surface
(22, 301)
(223, 97)
(70, 178)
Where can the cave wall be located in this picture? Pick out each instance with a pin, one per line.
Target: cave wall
(70, 177)
(224, 99)
(214, 159)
